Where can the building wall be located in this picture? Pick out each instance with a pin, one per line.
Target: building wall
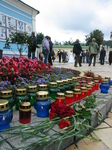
(15, 16)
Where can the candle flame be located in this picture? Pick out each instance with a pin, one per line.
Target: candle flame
(59, 100)
(3, 118)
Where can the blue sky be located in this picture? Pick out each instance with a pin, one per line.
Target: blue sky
(72, 19)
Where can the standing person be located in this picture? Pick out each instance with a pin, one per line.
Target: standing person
(32, 46)
(45, 48)
(64, 56)
(77, 49)
(110, 57)
(93, 50)
(71, 57)
(102, 55)
(59, 55)
(87, 56)
(51, 50)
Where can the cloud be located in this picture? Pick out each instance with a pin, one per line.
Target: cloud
(64, 19)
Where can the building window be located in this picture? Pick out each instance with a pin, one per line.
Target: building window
(9, 25)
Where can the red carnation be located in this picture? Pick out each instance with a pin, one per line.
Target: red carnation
(64, 123)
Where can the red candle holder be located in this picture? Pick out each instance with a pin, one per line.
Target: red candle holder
(92, 86)
(89, 90)
(69, 98)
(25, 113)
(96, 77)
(96, 84)
(83, 92)
(77, 95)
(60, 97)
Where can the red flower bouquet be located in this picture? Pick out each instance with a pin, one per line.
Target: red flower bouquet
(62, 111)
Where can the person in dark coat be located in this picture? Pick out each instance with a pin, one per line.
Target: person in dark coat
(51, 49)
(110, 57)
(102, 55)
(77, 50)
(32, 47)
(59, 55)
(64, 56)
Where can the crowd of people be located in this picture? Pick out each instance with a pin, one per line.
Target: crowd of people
(76, 56)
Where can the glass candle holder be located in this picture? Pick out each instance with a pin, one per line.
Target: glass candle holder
(88, 90)
(53, 89)
(83, 92)
(25, 113)
(60, 97)
(104, 86)
(74, 79)
(7, 95)
(71, 84)
(77, 85)
(83, 78)
(32, 90)
(83, 84)
(99, 79)
(109, 80)
(61, 86)
(65, 83)
(42, 87)
(20, 96)
(5, 115)
(92, 86)
(96, 77)
(69, 98)
(96, 84)
(77, 95)
(42, 104)
(78, 79)
(88, 79)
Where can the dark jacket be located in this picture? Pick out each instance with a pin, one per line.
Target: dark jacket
(78, 48)
(110, 57)
(50, 45)
(102, 54)
(33, 43)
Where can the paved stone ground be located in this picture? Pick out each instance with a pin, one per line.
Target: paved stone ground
(103, 70)
(104, 132)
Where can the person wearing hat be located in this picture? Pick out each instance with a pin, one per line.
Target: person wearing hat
(93, 50)
(77, 49)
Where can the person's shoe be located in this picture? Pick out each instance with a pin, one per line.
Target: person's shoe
(80, 65)
(75, 66)
(89, 65)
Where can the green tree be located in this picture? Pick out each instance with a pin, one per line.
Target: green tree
(19, 39)
(97, 34)
(39, 37)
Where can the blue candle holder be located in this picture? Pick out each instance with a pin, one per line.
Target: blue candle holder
(104, 86)
(42, 104)
(5, 115)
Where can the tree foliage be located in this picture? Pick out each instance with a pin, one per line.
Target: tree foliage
(97, 34)
(39, 37)
(17, 38)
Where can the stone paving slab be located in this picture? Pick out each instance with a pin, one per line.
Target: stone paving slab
(105, 135)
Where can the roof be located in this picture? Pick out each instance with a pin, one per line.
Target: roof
(29, 6)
